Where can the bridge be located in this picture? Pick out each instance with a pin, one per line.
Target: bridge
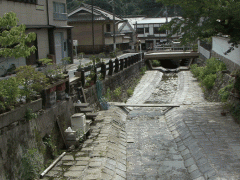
(170, 55)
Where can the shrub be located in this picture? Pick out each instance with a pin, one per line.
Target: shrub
(196, 70)
(209, 81)
(9, 92)
(156, 63)
(32, 81)
(225, 92)
(207, 75)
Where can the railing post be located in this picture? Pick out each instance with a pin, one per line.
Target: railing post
(142, 55)
(103, 70)
(95, 75)
(116, 66)
(132, 60)
(110, 72)
(83, 78)
(121, 64)
(129, 61)
(125, 62)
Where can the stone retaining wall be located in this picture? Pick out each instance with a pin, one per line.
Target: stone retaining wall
(230, 65)
(21, 135)
(124, 79)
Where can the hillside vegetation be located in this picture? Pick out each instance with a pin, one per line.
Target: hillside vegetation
(148, 8)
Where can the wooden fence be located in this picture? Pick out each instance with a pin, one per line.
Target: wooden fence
(110, 68)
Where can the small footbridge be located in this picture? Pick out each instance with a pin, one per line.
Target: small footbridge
(181, 60)
(166, 55)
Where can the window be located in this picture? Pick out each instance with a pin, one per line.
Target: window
(25, 1)
(59, 11)
(147, 30)
(158, 31)
(140, 30)
(108, 27)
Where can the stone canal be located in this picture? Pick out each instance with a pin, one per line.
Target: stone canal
(192, 141)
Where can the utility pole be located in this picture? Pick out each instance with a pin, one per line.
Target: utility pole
(93, 34)
(114, 38)
(166, 21)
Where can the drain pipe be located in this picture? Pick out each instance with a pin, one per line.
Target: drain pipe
(52, 165)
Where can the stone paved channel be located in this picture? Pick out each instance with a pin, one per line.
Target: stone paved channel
(193, 141)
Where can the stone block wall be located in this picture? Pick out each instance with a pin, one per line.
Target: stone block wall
(231, 66)
(21, 135)
(124, 79)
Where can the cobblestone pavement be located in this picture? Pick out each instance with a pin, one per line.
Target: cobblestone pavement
(103, 155)
(193, 141)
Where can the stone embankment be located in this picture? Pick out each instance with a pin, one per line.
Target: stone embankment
(102, 156)
(193, 141)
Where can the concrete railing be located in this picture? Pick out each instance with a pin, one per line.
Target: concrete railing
(14, 115)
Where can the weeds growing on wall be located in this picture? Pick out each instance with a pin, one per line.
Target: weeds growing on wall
(130, 92)
(225, 92)
(108, 95)
(29, 115)
(143, 70)
(31, 164)
(117, 92)
(207, 74)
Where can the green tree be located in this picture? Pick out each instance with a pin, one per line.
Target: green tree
(203, 19)
(13, 40)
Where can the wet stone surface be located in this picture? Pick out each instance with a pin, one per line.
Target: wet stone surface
(193, 141)
(153, 153)
(165, 90)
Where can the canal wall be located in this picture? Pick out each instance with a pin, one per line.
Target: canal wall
(43, 133)
(126, 79)
(218, 49)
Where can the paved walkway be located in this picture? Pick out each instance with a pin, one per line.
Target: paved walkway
(190, 142)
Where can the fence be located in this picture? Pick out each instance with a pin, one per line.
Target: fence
(110, 68)
(172, 48)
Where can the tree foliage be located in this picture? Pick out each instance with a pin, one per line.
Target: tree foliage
(203, 19)
(13, 40)
(148, 8)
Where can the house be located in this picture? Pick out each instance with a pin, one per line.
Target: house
(48, 19)
(127, 27)
(103, 23)
(149, 33)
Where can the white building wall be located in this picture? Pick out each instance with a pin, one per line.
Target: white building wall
(203, 51)
(220, 46)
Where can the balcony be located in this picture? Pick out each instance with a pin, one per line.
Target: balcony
(60, 16)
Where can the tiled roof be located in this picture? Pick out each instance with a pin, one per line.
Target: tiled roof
(100, 13)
